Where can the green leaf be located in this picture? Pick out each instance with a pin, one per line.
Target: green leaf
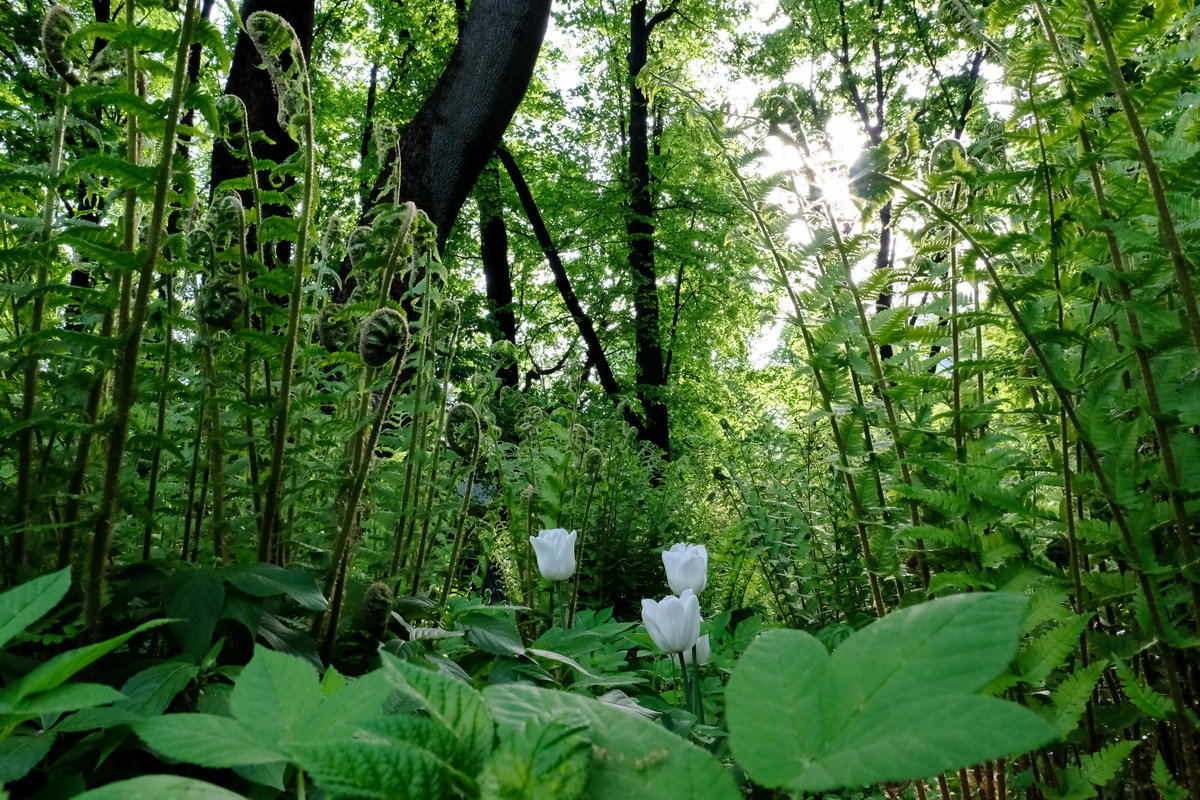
(896, 701)
(147, 694)
(24, 605)
(269, 580)
(59, 669)
(1148, 701)
(1071, 696)
(538, 761)
(1050, 650)
(495, 635)
(157, 787)
(195, 597)
(273, 697)
(632, 757)
(452, 703)
(207, 740)
(71, 697)
(1165, 782)
(20, 753)
(375, 771)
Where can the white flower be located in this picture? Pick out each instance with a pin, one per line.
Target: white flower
(703, 650)
(555, 551)
(687, 567)
(673, 622)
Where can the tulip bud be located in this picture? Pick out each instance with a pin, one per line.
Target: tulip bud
(555, 550)
(687, 568)
(673, 622)
(700, 654)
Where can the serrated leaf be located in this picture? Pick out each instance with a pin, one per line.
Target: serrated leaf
(1071, 696)
(809, 721)
(539, 761)
(20, 753)
(452, 703)
(1148, 701)
(274, 696)
(24, 605)
(367, 771)
(157, 787)
(631, 757)
(1050, 650)
(207, 740)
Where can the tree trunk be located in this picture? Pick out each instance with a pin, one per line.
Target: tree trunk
(454, 134)
(640, 227)
(497, 274)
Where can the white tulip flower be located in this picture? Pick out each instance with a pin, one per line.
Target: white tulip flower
(673, 622)
(555, 549)
(687, 568)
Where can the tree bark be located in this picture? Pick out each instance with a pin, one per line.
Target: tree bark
(448, 143)
(640, 229)
(497, 274)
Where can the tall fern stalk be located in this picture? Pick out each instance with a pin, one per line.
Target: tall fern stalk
(269, 525)
(130, 338)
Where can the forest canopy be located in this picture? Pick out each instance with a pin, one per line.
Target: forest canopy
(688, 399)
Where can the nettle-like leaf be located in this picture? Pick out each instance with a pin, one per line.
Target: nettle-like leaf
(896, 701)
(279, 708)
(539, 761)
(631, 756)
(452, 703)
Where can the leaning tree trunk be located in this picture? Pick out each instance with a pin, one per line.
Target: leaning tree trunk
(448, 143)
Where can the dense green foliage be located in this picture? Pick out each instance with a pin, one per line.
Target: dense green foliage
(271, 462)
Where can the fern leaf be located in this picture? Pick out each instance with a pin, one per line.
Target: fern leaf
(1071, 696)
(1165, 782)
(1050, 650)
(1148, 701)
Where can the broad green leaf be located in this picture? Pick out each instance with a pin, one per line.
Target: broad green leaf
(452, 703)
(269, 580)
(159, 787)
(195, 597)
(147, 694)
(895, 701)
(70, 697)
(59, 669)
(207, 740)
(495, 635)
(273, 697)
(24, 605)
(376, 771)
(538, 761)
(20, 753)
(632, 757)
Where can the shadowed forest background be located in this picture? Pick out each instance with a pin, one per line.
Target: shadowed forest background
(319, 320)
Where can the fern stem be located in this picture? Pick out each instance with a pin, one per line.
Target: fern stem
(130, 338)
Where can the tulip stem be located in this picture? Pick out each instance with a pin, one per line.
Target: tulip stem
(695, 700)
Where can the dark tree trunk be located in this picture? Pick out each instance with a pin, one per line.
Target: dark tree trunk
(493, 240)
(251, 83)
(640, 228)
(454, 134)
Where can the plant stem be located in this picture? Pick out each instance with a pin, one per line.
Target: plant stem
(130, 339)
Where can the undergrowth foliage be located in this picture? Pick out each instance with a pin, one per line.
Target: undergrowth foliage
(267, 502)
